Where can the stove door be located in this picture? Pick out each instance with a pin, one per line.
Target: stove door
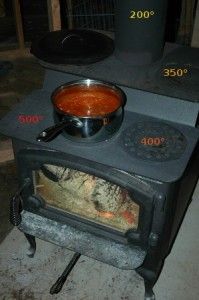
(86, 196)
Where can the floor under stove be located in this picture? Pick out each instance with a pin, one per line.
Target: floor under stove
(25, 278)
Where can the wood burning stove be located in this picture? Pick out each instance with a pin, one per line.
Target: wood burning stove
(120, 201)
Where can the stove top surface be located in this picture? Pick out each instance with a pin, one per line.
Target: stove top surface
(160, 77)
(144, 145)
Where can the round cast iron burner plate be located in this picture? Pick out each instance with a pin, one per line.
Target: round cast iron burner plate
(154, 141)
(78, 46)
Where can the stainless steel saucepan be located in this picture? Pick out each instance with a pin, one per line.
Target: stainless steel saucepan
(94, 114)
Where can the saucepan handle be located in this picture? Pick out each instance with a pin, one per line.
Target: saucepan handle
(50, 133)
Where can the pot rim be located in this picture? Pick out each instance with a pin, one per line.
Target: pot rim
(89, 82)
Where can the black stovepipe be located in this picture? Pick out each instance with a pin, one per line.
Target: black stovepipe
(140, 30)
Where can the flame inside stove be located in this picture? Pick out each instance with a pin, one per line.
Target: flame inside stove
(106, 214)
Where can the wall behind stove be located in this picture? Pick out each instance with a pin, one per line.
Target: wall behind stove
(98, 14)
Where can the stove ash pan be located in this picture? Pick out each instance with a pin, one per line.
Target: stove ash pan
(107, 251)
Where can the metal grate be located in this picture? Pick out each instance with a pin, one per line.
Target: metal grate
(91, 14)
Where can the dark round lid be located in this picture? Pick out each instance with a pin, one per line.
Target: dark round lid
(78, 46)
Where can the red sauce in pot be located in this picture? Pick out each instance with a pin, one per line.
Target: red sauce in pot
(88, 101)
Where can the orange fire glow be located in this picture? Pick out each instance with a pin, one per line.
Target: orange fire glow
(106, 214)
(128, 216)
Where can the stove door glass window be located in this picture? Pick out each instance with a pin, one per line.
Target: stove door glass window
(87, 196)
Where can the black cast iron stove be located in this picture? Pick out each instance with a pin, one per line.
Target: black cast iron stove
(120, 201)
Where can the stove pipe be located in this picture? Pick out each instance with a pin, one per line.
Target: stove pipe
(140, 30)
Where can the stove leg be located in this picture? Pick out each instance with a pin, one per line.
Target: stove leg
(149, 294)
(32, 243)
(150, 277)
